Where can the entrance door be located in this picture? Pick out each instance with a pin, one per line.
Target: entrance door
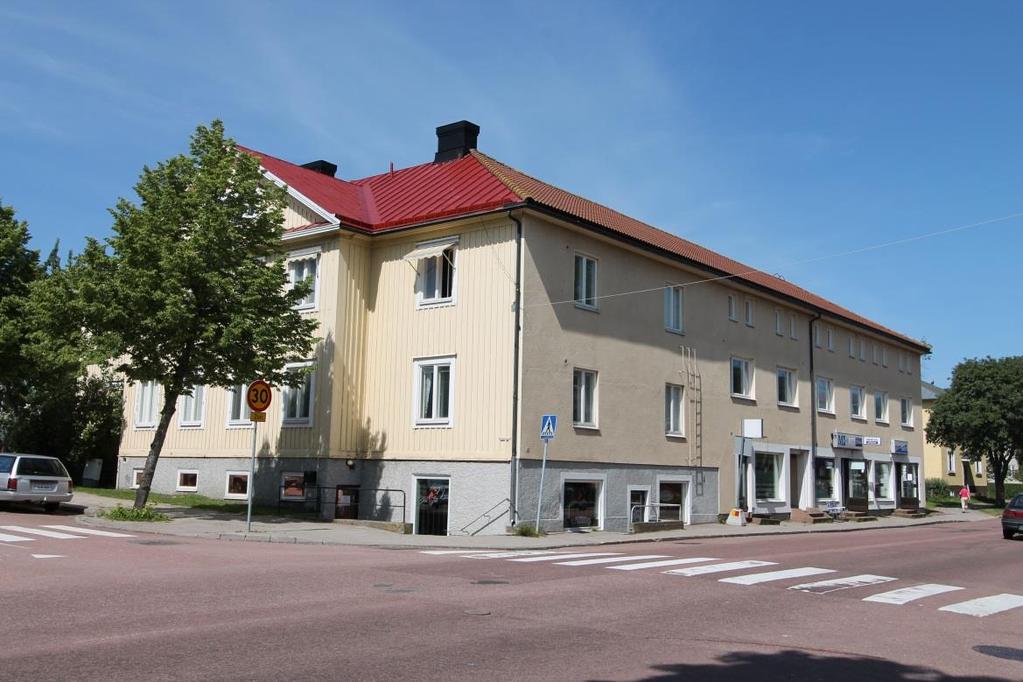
(908, 486)
(581, 504)
(671, 493)
(347, 503)
(432, 506)
(796, 463)
(637, 505)
(855, 471)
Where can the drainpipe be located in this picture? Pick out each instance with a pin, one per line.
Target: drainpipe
(813, 401)
(514, 496)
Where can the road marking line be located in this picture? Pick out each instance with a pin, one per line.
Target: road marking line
(611, 560)
(438, 552)
(908, 594)
(985, 606)
(757, 578)
(660, 564)
(48, 556)
(720, 568)
(91, 531)
(555, 557)
(4, 537)
(825, 586)
(508, 555)
(44, 533)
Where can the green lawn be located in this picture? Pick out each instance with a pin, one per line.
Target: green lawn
(190, 500)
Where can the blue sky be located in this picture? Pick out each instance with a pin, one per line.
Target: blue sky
(775, 133)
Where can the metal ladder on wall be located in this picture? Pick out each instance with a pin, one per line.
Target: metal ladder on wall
(694, 387)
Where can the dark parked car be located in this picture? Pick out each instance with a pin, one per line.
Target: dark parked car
(34, 478)
(1012, 517)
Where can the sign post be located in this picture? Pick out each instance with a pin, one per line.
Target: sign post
(548, 427)
(258, 397)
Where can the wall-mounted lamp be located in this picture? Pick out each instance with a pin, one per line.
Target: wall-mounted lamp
(350, 463)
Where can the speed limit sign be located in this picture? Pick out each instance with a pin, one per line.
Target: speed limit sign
(259, 395)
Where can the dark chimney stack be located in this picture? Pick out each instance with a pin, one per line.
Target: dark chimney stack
(321, 166)
(455, 140)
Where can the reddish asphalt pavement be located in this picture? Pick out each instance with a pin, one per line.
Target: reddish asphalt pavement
(171, 608)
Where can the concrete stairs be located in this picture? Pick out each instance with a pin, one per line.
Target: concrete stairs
(812, 515)
(763, 520)
(909, 513)
(856, 516)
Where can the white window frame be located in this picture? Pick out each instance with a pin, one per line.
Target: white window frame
(830, 386)
(227, 483)
(884, 418)
(286, 392)
(791, 383)
(950, 462)
(733, 313)
(155, 394)
(600, 480)
(595, 398)
(187, 488)
(862, 392)
(687, 494)
(978, 467)
(300, 255)
(779, 481)
(628, 500)
(674, 306)
(674, 411)
(187, 419)
(449, 255)
(136, 474)
(581, 300)
(777, 323)
(891, 487)
(906, 408)
(748, 312)
(244, 422)
(748, 378)
(418, 365)
(793, 327)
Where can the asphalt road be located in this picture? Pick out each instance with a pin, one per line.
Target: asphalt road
(98, 607)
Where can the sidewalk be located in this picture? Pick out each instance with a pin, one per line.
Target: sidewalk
(187, 522)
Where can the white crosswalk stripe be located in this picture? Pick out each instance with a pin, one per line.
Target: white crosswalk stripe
(4, 537)
(612, 560)
(836, 584)
(720, 568)
(555, 557)
(908, 594)
(661, 564)
(440, 552)
(509, 555)
(986, 606)
(44, 533)
(757, 578)
(91, 531)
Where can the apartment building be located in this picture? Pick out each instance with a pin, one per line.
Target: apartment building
(461, 299)
(949, 464)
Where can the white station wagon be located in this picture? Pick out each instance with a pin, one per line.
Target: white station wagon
(34, 478)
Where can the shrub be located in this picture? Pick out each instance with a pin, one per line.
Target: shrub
(119, 513)
(936, 487)
(527, 530)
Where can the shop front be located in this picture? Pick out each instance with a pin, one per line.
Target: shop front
(907, 476)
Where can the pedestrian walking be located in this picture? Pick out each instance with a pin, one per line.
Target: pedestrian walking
(964, 497)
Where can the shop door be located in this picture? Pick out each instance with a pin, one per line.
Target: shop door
(908, 486)
(347, 502)
(796, 464)
(432, 506)
(637, 505)
(855, 471)
(671, 493)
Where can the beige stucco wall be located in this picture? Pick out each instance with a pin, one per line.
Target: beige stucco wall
(635, 356)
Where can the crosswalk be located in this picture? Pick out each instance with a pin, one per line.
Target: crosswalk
(746, 572)
(16, 534)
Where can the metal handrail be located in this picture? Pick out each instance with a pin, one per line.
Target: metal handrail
(633, 508)
(386, 490)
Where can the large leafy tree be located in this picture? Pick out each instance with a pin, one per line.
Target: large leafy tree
(191, 289)
(982, 414)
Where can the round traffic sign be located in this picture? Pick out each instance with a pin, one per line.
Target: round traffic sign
(259, 395)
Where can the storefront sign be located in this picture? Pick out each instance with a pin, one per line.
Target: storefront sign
(872, 440)
(846, 440)
(900, 447)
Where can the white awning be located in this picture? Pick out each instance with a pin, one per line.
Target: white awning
(429, 250)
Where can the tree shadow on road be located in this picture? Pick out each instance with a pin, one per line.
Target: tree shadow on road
(792, 665)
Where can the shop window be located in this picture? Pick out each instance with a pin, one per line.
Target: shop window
(671, 493)
(768, 476)
(883, 480)
(824, 478)
(581, 504)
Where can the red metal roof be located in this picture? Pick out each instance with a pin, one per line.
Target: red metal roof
(478, 183)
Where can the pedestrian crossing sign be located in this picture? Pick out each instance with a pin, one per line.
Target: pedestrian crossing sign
(548, 427)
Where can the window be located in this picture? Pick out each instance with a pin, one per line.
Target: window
(950, 462)
(585, 282)
(881, 407)
(136, 478)
(906, 411)
(581, 504)
(742, 378)
(673, 414)
(749, 313)
(902, 361)
(191, 408)
(236, 486)
(817, 334)
(671, 494)
(883, 480)
(824, 478)
(584, 398)
(787, 394)
(875, 352)
(298, 400)
(852, 346)
(145, 404)
(978, 468)
(237, 407)
(857, 408)
(863, 350)
(884, 356)
(435, 270)
(825, 395)
(674, 309)
(732, 315)
(433, 387)
(777, 323)
(909, 363)
(188, 481)
(768, 476)
(304, 266)
(831, 339)
(792, 327)
(292, 485)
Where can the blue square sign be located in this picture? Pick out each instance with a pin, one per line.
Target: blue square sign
(548, 427)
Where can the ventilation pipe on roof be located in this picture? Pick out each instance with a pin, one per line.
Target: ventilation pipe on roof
(321, 166)
(456, 140)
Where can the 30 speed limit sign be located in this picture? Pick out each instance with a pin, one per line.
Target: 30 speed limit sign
(259, 395)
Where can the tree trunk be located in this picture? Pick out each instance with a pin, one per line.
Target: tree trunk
(170, 401)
